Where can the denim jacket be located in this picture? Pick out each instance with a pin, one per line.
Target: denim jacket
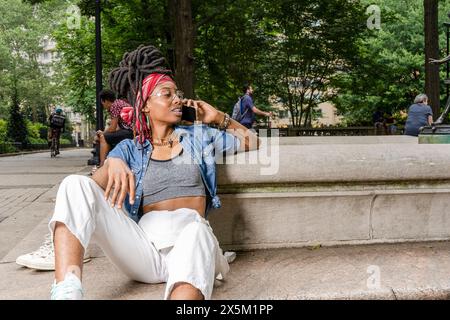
(202, 142)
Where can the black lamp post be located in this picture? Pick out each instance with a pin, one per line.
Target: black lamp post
(95, 160)
(447, 80)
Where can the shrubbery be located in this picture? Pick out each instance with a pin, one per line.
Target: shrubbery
(3, 130)
(36, 134)
(35, 130)
(5, 146)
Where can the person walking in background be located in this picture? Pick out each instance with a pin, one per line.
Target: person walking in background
(419, 115)
(390, 124)
(378, 121)
(248, 108)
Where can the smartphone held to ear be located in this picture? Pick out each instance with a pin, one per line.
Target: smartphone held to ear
(188, 113)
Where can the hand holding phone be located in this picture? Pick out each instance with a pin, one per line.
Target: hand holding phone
(188, 113)
(198, 111)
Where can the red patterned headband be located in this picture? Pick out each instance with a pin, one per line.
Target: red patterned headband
(140, 122)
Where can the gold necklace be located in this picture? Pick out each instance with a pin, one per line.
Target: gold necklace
(164, 143)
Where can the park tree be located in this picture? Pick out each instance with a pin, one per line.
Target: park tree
(390, 67)
(231, 45)
(299, 52)
(310, 42)
(16, 127)
(26, 85)
(168, 24)
(18, 50)
(77, 50)
(184, 37)
(227, 43)
(127, 24)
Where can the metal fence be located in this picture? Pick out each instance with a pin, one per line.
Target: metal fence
(333, 131)
(18, 147)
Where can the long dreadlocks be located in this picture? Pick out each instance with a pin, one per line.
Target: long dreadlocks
(127, 79)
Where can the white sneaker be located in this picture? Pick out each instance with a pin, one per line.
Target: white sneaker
(68, 289)
(230, 256)
(44, 257)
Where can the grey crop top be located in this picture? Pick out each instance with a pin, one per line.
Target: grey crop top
(173, 178)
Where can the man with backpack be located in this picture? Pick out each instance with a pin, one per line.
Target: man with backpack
(57, 122)
(244, 110)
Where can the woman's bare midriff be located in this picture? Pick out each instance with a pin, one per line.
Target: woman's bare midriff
(195, 203)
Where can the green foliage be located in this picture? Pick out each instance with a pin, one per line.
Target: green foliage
(287, 49)
(23, 28)
(125, 25)
(235, 43)
(65, 141)
(390, 70)
(298, 52)
(37, 132)
(78, 57)
(16, 128)
(37, 141)
(7, 147)
(3, 130)
(231, 45)
(309, 44)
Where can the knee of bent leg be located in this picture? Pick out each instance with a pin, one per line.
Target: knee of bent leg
(198, 229)
(185, 290)
(73, 182)
(197, 226)
(74, 179)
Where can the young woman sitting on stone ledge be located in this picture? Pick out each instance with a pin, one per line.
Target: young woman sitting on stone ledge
(146, 207)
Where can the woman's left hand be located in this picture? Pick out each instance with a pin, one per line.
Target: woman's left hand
(206, 113)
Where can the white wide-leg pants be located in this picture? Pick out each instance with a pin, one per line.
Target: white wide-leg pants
(165, 246)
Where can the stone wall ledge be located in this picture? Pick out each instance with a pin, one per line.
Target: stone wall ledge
(321, 163)
(335, 194)
(307, 140)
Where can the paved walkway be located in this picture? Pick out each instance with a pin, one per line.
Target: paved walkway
(28, 186)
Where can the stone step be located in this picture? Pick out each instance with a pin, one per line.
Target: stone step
(384, 271)
(12, 246)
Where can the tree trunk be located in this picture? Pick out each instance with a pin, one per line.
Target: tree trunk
(432, 83)
(169, 32)
(184, 46)
(306, 119)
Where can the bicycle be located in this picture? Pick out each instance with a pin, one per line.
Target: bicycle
(54, 145)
